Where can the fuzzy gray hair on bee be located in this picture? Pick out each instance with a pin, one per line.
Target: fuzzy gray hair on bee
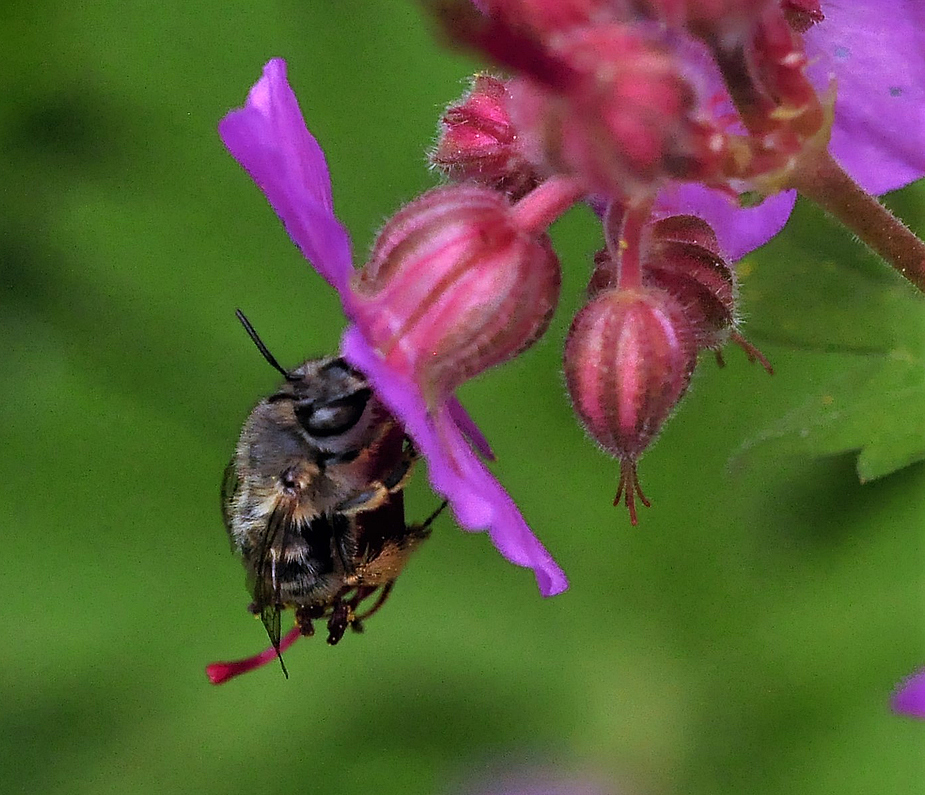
(312, 498)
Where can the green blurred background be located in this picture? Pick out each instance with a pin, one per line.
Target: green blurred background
(743, 639)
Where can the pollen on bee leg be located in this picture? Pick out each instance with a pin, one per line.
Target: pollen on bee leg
(383, 595)
(629, 488)
(221, 672)
(341, 617)
(303, 620)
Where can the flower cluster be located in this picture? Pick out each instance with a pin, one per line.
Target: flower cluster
(688, 125)
(672, 117)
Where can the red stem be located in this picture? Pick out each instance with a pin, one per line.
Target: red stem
(823, 181)
(546, 202)
(627, 247)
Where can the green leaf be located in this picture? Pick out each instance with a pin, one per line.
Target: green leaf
(824, 293)
(876, 408)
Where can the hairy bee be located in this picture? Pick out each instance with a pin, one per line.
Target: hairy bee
(312, 499)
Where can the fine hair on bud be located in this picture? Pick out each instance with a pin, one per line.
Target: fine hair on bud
(454, 286)
(629, 357)
(479, 143)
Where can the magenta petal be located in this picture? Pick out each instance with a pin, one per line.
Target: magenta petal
(875, 51)
(477, 499)
(221, 672)
(469, 429)
(738, 230)
(268, 137)
(909, 698)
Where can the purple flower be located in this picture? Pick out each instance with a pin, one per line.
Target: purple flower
(268, 137)
(909, 697)
(874, 51)
(873, 54)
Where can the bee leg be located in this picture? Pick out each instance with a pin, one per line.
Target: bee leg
(366, 500)
(362, 592)
(397, 478)
(425, 528)
(383, 595)
(304, 616)
(345, 554)
(338, 622)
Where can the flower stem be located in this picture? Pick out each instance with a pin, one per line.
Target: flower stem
(627, 248)
(821, 180)
(546, 202)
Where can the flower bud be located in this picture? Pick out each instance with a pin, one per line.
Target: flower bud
(683, 259)
(626, 119)
(479, 143)
(726, 19)
(801, 15)
(548, 17)
(680, 255)
(453, 286)
(629, 357)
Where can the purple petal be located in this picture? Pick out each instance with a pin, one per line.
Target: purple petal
(269, 139)
(909, 698)
(469, 429)
(875, 51)
(738, 230)
(477, 499)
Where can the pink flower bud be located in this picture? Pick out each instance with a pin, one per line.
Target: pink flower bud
(626, 118)
(681, 256)
(728, 19)
(453, 286)
(801, 15)
(547, 17)
(683, 259)
(479, 143)
(629, 357)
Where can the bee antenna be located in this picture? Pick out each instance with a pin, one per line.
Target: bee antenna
(264, 351)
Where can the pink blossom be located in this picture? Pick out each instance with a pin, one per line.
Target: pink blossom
(268, 137)
(872, 53)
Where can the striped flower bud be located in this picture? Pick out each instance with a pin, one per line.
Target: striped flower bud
(454, 286)
(682, 257)
(629, 357)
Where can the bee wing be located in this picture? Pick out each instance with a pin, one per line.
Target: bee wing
(265, 586)
(270, 616)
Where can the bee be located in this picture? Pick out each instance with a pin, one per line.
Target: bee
(312, 498)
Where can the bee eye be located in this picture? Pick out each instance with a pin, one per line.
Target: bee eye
(333, 417)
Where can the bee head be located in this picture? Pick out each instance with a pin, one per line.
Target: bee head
(329, 398)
